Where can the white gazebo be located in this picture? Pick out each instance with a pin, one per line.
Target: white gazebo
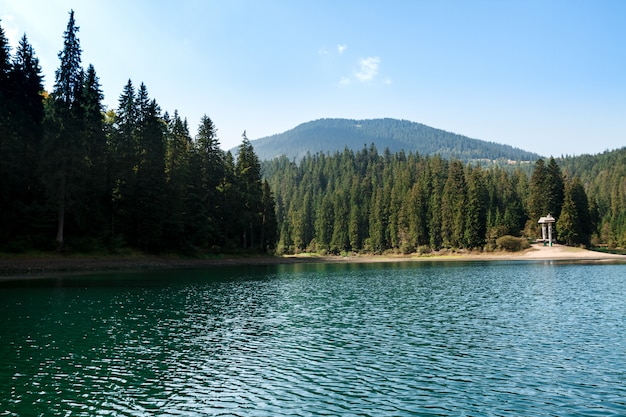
(546, 226)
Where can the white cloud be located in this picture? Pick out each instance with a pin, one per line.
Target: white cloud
(322, 51)
(345, 81)
(342, 48)
(368, 69)
(387, 81)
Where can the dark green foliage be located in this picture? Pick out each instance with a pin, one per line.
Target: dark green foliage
(332, 135)
(575, 224)
(546, 193)
(476, 210)
(250, 196)
(398, 202)
(64, 147)
(21, 115)
(130, 177)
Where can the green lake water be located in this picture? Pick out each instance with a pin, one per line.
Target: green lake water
(407, 339)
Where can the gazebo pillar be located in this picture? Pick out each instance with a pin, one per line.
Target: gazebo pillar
(546, 223)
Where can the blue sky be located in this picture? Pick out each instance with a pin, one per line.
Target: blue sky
(545, 76)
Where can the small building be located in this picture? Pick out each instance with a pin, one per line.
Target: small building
(546, 229)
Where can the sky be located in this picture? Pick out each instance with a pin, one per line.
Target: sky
(544, 76)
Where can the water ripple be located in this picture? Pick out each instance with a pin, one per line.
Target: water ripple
(463, 339)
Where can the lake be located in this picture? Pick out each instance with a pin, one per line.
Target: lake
(394, 339)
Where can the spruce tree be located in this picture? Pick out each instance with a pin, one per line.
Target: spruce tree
(21, 115)
(178, 177)
(269, 224)
(476, 210)
(248, 177)
(569, 222)
(210, 172)
(554, 188)
(96, 195)
(151, 188)
(453, 201)
(64, 150)
(123, 162)
(537, 199)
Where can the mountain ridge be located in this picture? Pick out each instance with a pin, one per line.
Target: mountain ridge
(331, 135)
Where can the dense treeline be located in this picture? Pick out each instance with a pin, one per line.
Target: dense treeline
(133, 177)
(603, 176)
(366, 201)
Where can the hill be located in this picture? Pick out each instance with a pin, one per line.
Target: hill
(331, 135)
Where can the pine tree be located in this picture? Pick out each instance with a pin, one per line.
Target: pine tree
(268, 219)
(151, 208)
(568, 222)
(579, 198)
(554, 188)
(453, 203)
(124, 161)
(537, 199)
(21, 115)
(178, 177)
(210, 173)
(64, 150)
(96, 196)
(476, 210)
(340, 240)
(324, 223)
(248, 177)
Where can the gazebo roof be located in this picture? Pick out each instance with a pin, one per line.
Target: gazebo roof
(547, 219)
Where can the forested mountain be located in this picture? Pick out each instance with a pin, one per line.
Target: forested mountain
(330, 135)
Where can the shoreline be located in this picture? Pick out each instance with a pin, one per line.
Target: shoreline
(33, 266)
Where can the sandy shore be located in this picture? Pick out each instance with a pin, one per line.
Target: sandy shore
(536, 252)
(22, 265)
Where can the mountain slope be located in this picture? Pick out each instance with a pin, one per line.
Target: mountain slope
(331, 135)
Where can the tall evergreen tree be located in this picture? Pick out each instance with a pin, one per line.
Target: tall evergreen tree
(269, 224)
(151, 187)
(537, 199)
(476, 210)
(21, 114)
(248, 177)
(575, 221)
(210, 172)
(64, 151)
(569, 223)
(123, 162)
(453, 201)
(96, 195)
(69, 76)
(178, 177)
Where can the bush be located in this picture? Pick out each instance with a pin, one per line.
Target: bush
(424, 250)
(512, 243)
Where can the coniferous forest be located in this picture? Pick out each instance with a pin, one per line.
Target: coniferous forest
(77, 177)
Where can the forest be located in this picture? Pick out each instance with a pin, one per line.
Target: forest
(405, 203)
(75, 177)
